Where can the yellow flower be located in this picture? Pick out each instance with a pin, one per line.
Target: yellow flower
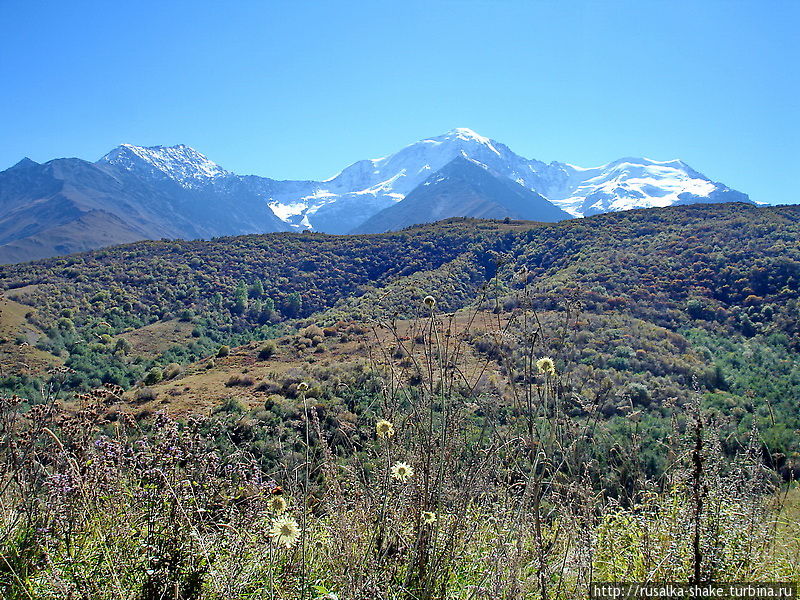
(428, 517)
(276, 504)
(402, 471)
(429, 301)
(286, 531)
(546, 366)
(384, 429)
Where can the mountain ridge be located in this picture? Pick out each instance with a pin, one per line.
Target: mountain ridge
(176, 191)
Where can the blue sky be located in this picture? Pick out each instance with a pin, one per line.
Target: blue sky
(301, 89)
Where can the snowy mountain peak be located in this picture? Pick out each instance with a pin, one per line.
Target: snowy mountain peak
(466, 133)
(368, 186)
(183, 164)
(463, 137)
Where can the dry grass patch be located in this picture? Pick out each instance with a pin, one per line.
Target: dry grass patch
(151, 340)
(18, 337)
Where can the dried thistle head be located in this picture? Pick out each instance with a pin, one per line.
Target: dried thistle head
(429, 301)
(277, 504)
(546, 366)
(384, 429)
(285, 531)
(402, 471)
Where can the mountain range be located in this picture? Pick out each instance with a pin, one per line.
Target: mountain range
(464, 187)
(68, 205)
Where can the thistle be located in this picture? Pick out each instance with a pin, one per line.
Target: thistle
(277, 504)
(402, 471)
(384, 429)
(546, 366)
(286, 531)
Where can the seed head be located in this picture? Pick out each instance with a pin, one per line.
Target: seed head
(402, 471)
(286, 531)
(277, 504)
(546, 366)
(384, 429)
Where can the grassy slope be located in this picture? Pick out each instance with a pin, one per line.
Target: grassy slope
(18, 337)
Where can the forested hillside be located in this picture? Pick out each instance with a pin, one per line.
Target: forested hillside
(453, 383)
(670, 300)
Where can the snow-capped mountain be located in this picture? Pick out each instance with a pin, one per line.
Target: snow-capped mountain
(184, 165)
(463, 188)
(630, 183)
(136, 192)
(369, 186)
(343, 202)
(69, 205)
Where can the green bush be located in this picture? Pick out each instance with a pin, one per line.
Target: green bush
(267, 351)
(153, 376)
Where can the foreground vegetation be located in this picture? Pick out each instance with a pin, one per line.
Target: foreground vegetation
(442, 486)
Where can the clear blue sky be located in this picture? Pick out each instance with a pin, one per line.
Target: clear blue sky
(301, 89)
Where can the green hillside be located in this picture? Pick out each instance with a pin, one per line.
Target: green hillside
(651, 447)
(666, 298)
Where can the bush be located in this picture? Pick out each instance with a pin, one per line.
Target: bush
(172, 370)
(267, 350)
(223, 351)
(146, 394)
(231, 405)
(269, 387)
(311, 331)
(239, 380)
(153, 376)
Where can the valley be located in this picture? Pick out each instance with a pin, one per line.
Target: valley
(664, 296)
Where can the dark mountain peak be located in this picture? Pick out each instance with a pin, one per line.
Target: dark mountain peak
(25, 163)
(463, 165)
(464, 188)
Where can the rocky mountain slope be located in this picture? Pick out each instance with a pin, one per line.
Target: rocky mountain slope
(70, 205)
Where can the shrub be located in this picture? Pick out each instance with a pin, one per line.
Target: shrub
(153, 376)
(172, 370)
(267, 351)
(269, 387)
(231, 405)
(146, 394)
(239, 380)
(122, 345)
(311, 331)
